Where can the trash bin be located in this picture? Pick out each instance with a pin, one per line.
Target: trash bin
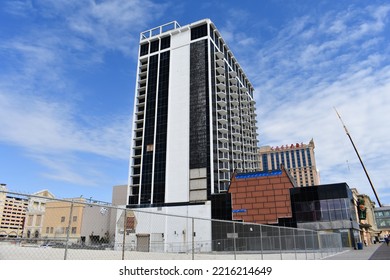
(360, 246)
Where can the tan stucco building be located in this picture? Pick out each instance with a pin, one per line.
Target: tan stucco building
(56, 222)
(36, 214)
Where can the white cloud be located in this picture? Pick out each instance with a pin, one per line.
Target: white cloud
(41, 102)
(312, 66)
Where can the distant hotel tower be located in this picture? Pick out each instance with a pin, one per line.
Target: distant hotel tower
(194, 117)
(298, 159)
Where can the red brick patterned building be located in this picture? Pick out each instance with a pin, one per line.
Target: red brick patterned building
(261, 197)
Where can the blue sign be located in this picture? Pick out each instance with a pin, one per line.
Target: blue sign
(239, 211)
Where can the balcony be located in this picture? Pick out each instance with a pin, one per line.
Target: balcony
(244, 100)
(236, 125)
(221, 102)
(237, 158)
(237, 141)
(220, 78)
(234, 109)
(223, 128)
(234, 101)
(233, 94)
(220, 62)
(223, 138)
(233, 81)
(224, 176)
(222, 119)
(142, 76)
(236, 132)
(237, 149)
(220, 70)
(223, 157)
(235, 117)
(233, 88)
(222, 111)
(143, 68)
(245, 109)
(219, 55)
(223, 147)
(221, 86)
(233, 74)
(137, 153)
(243, 89)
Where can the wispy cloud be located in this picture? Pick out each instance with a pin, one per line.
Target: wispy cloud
(41, 100)
(339, 59)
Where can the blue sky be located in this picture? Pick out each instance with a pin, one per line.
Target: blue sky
(67, 79)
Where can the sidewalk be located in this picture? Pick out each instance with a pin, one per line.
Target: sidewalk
(373, 252)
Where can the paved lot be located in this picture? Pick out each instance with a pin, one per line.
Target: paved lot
(373, 252)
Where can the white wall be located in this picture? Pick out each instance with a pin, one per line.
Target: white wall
(177, 231)
(177, 169)
(95, 221)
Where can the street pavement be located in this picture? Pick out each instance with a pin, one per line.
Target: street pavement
(378, 251)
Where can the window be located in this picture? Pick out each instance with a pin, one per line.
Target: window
(74, 229)
(38, 220)
(62, 219)
(149, 148)
(74, 218)
(144, 49)
(199, 31)
(51, 230)
(47, 230)
(165, 42)
(30, 220)
(154, 46)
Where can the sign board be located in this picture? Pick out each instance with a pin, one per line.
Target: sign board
(239, 211)
(232, 235)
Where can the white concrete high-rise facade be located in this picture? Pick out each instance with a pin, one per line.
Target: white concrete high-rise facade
(194, 119)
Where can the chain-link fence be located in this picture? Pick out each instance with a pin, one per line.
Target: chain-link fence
(42, 228)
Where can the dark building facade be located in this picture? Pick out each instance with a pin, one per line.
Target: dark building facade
(194, 117)
(326, 207)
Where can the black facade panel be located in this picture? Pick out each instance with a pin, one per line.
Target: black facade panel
(321, 192)
(221, 206)
(147, 165)
(144, 49)
(165, 43)
(154, 46)
(199, 114)
(199, 31)
(161, 132)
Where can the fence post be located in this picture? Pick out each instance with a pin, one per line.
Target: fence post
(124, 234)
(295, 244)
(280, 244)
(234, 240)
(193, 239)
(304, 242)
(261, 241)
(68, 231)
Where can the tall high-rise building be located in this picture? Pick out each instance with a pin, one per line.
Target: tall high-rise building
(194, 119)
(298, 159)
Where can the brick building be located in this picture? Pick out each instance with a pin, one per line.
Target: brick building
(262, 197)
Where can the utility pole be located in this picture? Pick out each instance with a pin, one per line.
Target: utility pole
(353, 144)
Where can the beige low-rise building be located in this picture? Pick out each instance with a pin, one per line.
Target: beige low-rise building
(60, 215)
(36, 214)
(12, 214)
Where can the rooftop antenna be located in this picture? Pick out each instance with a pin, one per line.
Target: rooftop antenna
(365, 170)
